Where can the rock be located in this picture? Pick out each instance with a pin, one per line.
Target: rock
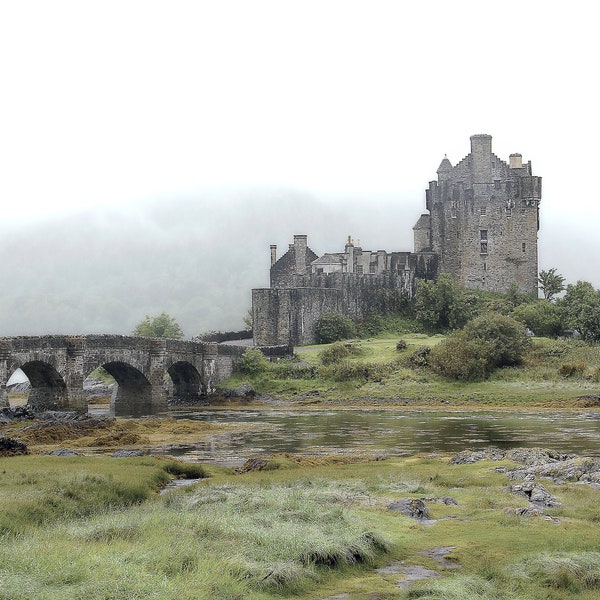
(411, 507)
(12, 447)
(127, 453)
(536, 493)
(473, 456)
(18, 413)
(243, 391)
(62, 452)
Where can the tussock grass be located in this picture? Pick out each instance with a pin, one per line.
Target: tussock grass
(570, 571)
(314, 531)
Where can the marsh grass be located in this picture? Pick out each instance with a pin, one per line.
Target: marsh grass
(314, 530)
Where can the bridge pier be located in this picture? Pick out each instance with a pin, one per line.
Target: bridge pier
(57, 365)
(4, 374)
(76, 399)
(210, 367)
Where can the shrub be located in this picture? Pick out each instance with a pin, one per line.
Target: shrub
(254, 362)
(486, 343)
(543, 317)
(505, 339)
(335, 353)
(401, 345)
(372, 325)
(571, 369)
(460, 358)
(333, 327)
(443, 304)
(420, 357)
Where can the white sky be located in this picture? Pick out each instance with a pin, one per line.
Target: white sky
(105, 102)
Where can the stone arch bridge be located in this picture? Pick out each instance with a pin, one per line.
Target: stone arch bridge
(57, 365)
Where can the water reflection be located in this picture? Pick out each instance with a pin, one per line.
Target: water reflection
(389, 432)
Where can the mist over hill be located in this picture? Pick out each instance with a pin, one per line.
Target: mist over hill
(196, 258)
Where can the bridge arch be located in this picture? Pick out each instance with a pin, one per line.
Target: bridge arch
(133, 393)
(186, 381)
(48, 388)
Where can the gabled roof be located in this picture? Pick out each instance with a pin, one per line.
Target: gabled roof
(328, 259)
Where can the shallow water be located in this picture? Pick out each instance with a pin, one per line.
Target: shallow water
(389, 432)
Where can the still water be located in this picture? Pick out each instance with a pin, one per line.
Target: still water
(389, 432)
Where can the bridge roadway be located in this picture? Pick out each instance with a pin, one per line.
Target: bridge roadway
(57, 365)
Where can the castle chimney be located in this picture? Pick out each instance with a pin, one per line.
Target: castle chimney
(273, 254)
(515, 161)
(300, 246)
(481, 153)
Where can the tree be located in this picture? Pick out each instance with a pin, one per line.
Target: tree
(443, 303)
(161, 326)
(581, 306)
(551, 283)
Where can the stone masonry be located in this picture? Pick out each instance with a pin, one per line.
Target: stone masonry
(57, 365)
(481, 228)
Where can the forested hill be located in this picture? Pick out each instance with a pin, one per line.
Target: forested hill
(196, 258)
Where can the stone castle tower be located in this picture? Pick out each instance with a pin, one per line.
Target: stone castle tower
(481, 228)
(483, 220)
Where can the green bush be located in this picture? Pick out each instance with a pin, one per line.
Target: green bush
(401, 345)
(543, 317)
(333, 327)
(337, 352)
(460, 358)
(486, 343)
(420, 357)
(254, 362)
(571, 369)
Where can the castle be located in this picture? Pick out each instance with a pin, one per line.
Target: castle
(481, 228)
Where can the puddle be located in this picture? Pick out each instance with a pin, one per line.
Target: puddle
(177, 483)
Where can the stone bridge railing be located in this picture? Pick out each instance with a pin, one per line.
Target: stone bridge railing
(57, 365)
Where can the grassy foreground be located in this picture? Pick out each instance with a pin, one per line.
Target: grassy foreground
(96, 528)
(554, 374)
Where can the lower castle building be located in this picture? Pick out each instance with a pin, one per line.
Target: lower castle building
(481, 228)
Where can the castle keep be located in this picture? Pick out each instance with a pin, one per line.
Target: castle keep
(481, 228)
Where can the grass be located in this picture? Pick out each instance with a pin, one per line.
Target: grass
(306, 529)
(555, 374)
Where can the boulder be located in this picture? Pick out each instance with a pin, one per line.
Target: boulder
(414, 508)
(12, 447)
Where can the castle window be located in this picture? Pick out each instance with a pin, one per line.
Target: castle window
(509, 213)
(483, 210)
(483, 241)
(523, 246)
(359, 269)
(485, 266)
(496, 184)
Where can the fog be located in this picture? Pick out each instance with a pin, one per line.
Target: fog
(151, 153)
(198, 257)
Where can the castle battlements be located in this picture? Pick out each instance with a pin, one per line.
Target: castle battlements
(480, 227)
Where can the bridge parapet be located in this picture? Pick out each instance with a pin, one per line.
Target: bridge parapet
(57, 365)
